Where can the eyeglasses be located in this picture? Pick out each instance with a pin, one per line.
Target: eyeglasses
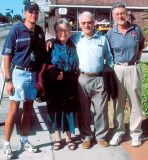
(33, 12)
(89, 23)
(120, 14)
(63, 30)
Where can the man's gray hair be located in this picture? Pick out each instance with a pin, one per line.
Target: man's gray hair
(61, 21)
(118, 5)
(86, 13)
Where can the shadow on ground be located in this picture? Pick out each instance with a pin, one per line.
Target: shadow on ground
(41, 111)
(36, 125)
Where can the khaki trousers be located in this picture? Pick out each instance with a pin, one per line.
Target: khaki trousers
(129, 79)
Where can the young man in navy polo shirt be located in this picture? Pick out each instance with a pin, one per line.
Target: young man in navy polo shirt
(23, 55)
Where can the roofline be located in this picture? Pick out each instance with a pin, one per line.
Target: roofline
(101, 7)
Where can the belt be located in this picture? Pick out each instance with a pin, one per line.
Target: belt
(127, 63)
(23, 68)
(100, 74)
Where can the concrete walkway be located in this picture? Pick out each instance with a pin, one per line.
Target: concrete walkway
(43, 138)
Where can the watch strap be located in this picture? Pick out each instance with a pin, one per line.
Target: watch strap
(7, 79)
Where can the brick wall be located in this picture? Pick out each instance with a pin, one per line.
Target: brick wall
(100, 2)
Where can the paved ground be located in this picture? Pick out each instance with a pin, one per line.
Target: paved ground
(41, 136)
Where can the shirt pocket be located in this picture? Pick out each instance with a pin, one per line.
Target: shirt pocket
(98, 50)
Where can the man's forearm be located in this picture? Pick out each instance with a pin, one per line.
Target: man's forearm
(7, 66)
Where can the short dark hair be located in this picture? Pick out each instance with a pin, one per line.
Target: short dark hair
(118, 5)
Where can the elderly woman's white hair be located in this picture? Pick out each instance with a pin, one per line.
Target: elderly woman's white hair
(61, 21)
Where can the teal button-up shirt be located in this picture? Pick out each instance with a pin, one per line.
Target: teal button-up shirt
(64, 56)
(92, 52)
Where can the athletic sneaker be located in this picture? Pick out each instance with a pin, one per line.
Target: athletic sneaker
(27, 146)
(136, 141)
(116, 139)
(8, 152)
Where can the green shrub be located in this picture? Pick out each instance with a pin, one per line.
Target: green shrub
(144, 66)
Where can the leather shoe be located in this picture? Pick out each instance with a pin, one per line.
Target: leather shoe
(102, 143)
(86, 144)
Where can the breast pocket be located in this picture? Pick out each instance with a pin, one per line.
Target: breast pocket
(98, 50)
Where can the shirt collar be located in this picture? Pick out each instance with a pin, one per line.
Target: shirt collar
(115, 28)
(68, 43)
(95, 34)
(24, 28)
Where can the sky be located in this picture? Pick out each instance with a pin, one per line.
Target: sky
(7, 5)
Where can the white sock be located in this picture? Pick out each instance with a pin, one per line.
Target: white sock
(6, 143)
(24, 139)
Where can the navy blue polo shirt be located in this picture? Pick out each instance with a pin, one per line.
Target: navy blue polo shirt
(19, 44)
(125, 48)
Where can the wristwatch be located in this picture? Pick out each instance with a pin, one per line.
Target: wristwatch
(7, 79)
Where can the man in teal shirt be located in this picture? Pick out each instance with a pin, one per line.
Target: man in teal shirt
(126, 41)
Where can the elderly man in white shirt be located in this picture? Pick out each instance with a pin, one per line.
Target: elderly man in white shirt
(92, 49)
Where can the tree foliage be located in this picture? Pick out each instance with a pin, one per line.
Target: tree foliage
(17, 18)
(25, 1)
(3, 19)
(9, 18)
(144, 66)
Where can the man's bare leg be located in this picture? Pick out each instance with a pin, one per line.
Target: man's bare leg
(26, 117)
(9, 123)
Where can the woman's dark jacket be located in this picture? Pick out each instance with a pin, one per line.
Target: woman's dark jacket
(63, 58)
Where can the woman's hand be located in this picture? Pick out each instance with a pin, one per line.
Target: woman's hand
(60, 76)
(48, 45)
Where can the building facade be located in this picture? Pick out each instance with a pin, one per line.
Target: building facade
(100, 8)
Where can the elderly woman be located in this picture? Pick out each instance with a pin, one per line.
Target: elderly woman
(63, 100)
